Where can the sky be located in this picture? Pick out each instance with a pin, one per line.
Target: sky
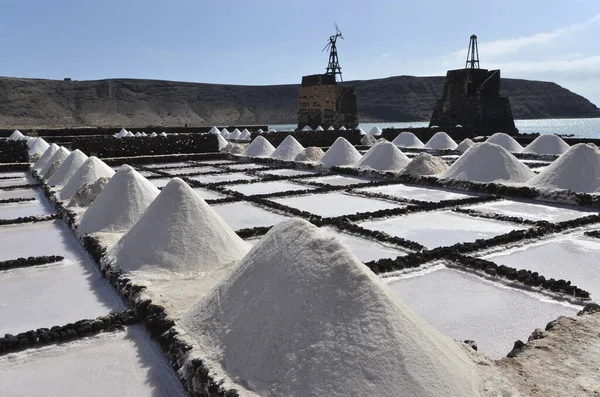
(264, 42)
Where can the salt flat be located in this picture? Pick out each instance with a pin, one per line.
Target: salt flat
(418, 193)
(335, 204)
(289, 172)
(243, 215)
(25, 208)
(231, 177)
(267, 187)
(366, 250)
(534, 211)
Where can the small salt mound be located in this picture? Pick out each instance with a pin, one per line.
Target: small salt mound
(319, 128)
(341, 153)
(178, 233)
(163, 134)
(375, 131)
(144, 134)
(465, 145)
(260, 131)
(578, 169)
(91, 170)
(342, 128)
(245, 135)
(85, 195)
(222, 142)
(311, 153)
(441, 141)
(302, 316)
(43, 160)
(330, 128)
(17, 136)
(408, 140)
(368, 140)
(506, 141)
(108, 214)
(359, 129)
(138, 134)
(307, 128)
(235, 134)
(488, 162)
(68, 168)
(288, 149)
(153, 135)
(259, 147)
(425, 164)
(384, 156)
(214, 130)
(55, 161)
(225, 134)
(37, 147)
(122, 133)
(547, 144)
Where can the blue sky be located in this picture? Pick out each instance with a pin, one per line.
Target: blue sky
(274, 42)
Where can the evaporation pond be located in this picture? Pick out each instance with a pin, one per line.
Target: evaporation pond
(465, 306)
(339, 180)
(218, 162)
(17, 181)
(24, 208)
(572, 257)
(365, 249)
(208, 194)
(55, 294)
(21, 193)
(192, 170)
(246, 166)
(121, 363)
(534, 211)
(417, 193)
(335, 204)
(243, 215)
(159, 182)
(230, 177)
(289, 172)
(167, 165)
(440, 228)
(267, 187)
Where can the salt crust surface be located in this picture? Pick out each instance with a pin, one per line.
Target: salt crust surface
(425, 164)
(547, 144)
(23, 209)
(243, 215)
(441, 141)
(38, 146)
(86, 194)
(506, 141)
(408, 140)
(57, 158)
(341, 153)
(177, 234)
(288, 149)
(487, 162)
(535, 211)
(464, 145)
(578, 169)
(43, 160)
(339, 180)
(418, 192)
(384, 156)
(122, 363)
(302, 316)
(267, 187)
(68, 168)
(311, 153)
(259, 147)
(120, 204)
(90, 171)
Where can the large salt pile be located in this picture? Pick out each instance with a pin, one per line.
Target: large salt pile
(17, 136)
(68, 168)
(368, 140)
(341, 153)
(120, 204)
(122, 133)
(153, 135)
(222, 142)
(464, 145)
(37, 147)
(245, 135)
(163, 134)
(425, 164)
(288, 149)
(547, 144)
(578, 169)
(408, 140)
(43, 160)
(506, 141)
(311, 153)
(55, 161)
(178, 233)
(375, 131)
(259, 147)
(488, 162)
(441, 141)
(302, 316)
(235, 134)
(90, 171)
(384, 156)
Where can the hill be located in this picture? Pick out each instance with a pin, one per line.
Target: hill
(133, 102)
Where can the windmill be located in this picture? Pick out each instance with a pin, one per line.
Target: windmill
(472, 54)
(334, 67)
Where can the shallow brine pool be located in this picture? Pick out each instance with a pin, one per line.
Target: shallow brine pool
(243, 215)
(534, 211)
(418, 193)
(267, 187)
(232, 177)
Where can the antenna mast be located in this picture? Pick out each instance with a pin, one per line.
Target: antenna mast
(334, 67)
(472, 54)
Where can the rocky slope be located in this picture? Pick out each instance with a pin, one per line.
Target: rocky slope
(131, 102)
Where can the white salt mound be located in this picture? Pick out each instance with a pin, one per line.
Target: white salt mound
(90, 171)
(425, 164)
(384, 156)
(259, 147)
(341, 153)
(375, 131)
(578, 170)
(368, 140)
(43, 160)
(153, 135)
(245, 135)
(214, 130)
(359, 129)
(17, 136)
(342, 128)
(319, 128)
(488, 162)
(163, 134)
(122, 133)
(55, 161)
(464, 145)
(311, 153)
(178, 233)
(547, 144)
(330, 128)
(120, 204)
(68, 168)
(85, 195)
(302, 316)
(506, 141)
(222, 142)
(307, 128)
(408, 140)
(235, 134)
(37, 147)
(441, 141)
(288, 149)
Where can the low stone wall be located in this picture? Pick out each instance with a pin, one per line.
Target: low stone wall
(13, 151)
